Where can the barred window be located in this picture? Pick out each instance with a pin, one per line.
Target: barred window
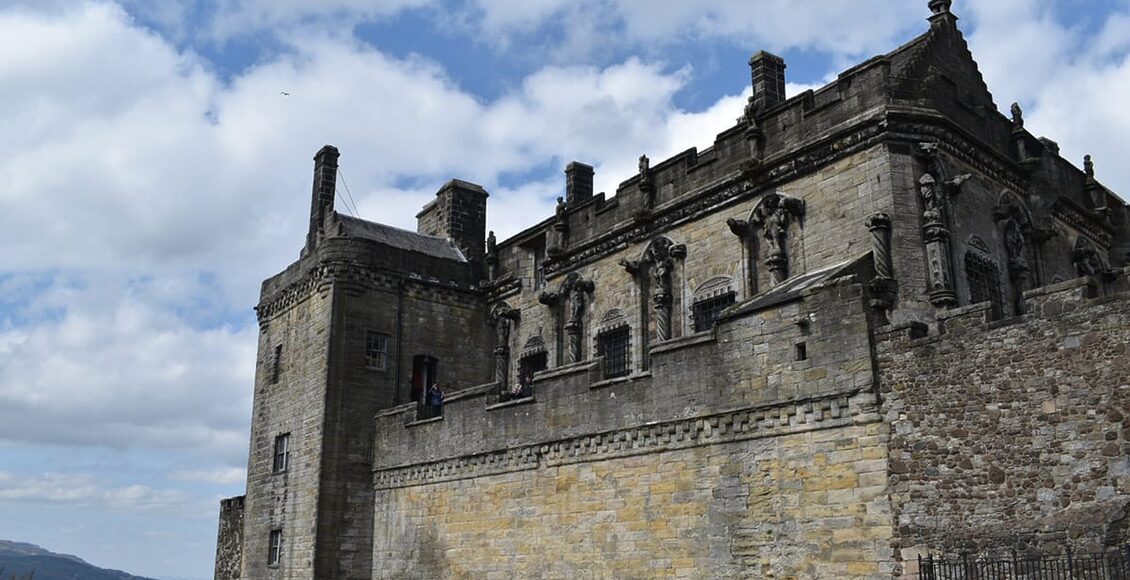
(614, 345)
(376, 350)
(274, 555)
(983, 278)
(705, 311)
(532, 363)
(282, 453)
(276, 364)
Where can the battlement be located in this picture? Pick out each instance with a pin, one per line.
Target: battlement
(697, 387)
(1047, 304)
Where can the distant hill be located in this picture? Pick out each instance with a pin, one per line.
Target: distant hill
(21, 559)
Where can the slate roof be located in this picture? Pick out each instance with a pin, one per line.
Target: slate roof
(403, 239)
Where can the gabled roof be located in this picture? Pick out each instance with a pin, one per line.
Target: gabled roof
(403, 239)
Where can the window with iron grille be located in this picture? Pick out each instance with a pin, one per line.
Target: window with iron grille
(274, 555)
(983, 278)
(376, 350)
(614, 345)
(282, 453)
(706, 311)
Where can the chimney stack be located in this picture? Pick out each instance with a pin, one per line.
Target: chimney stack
(322, 197)
(578, 183)
(768, 72)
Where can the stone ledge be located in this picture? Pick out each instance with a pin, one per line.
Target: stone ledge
(512, 403)
(705, 337)
(419, 422)
(787, 418)
(620, 380)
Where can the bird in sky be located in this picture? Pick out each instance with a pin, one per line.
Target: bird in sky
(284, 93)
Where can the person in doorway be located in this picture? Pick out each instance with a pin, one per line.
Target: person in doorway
(435, 401)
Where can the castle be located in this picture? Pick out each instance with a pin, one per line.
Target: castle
(871, 322)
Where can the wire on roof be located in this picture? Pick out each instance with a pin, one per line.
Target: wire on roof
(352, 210)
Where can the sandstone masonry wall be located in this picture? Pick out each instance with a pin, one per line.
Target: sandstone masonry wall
(1012, 433)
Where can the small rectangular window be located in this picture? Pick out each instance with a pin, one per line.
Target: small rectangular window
(801, 351)
(614, 345)
(706, 311)
(276, 364)
(376, 350)
(274, 556)
(282, 453)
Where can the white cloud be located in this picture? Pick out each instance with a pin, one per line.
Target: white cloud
(83, 491)
(1071, 83)
(219, 476)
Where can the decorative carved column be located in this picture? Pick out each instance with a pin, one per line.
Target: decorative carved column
(937, 238)
(658, 264)
(773, 216)
(501, 318)
(1017, 231)
(935, 228)
(883, 288)
(572, 295)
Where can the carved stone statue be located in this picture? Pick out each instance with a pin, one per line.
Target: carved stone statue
(501, 317)
(933, 199)
(1088, 167)
(658, 264)
(559, 211)
(773, 216)
(1086, 259)
(491, 257)
(751, 112)
(1017, 116)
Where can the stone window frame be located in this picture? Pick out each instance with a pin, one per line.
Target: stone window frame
(281, 457)
(622, 333)
(986, 281)
(274, 547)
(716, 289)
(376, 350)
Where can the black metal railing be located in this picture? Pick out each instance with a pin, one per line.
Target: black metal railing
(1112, 565)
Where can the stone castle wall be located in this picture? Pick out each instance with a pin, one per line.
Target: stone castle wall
(229, 539)
(730, 455)
(1012, 433)
(295, 404)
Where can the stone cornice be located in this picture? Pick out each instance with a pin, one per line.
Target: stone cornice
(895, 124)
(831, 411)
(916, 126)
(355, 277)
(739, 186)
(1078, 218)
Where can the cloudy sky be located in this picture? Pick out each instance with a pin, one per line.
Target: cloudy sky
(153, 173)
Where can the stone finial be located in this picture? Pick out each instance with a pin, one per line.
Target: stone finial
(940, 6)
(1017, 115)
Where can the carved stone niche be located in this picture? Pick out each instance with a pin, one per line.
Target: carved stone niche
(656, 270)
(501, 317)
(1012, 215)
(772, 219)
(571, 295)
(1087, 259)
